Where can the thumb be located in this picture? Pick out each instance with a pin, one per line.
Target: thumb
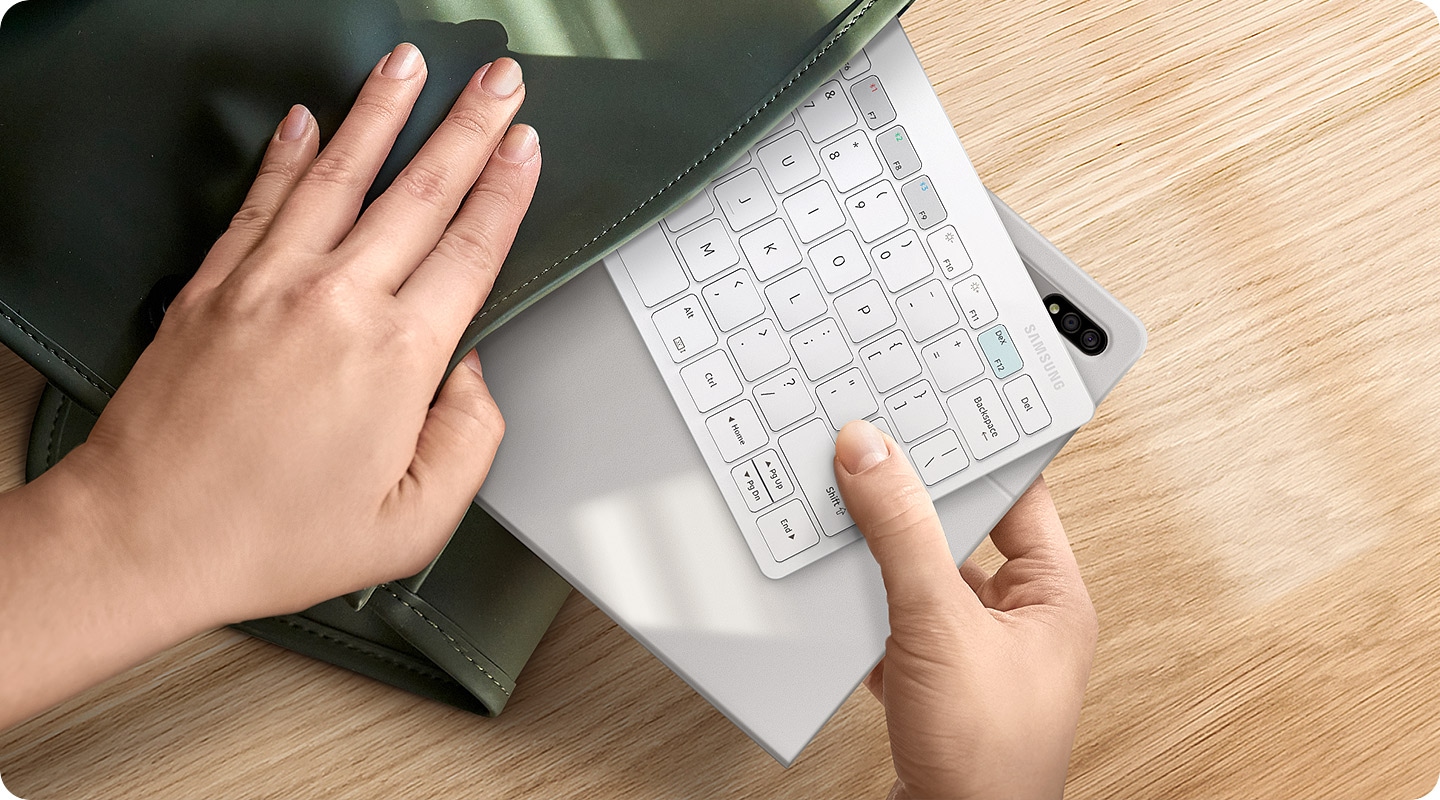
(889, 503)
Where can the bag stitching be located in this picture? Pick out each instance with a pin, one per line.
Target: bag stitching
(453, 643)
(834, 40)
(52, 449)
(76, 368)
(435, 676)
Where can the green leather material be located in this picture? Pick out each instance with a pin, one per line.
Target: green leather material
(459, 635)
(130, 130)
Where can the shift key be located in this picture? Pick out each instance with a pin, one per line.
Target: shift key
(811, 453)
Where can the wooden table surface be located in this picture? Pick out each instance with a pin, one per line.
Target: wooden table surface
(1255, 508)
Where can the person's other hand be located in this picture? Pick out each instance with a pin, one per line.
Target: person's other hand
(983, 676)
(277, 445)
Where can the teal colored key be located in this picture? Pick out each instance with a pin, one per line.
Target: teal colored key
(1000, 352)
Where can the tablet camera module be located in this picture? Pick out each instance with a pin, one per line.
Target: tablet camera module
(1075, 326)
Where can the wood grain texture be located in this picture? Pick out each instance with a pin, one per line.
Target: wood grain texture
(1255, 508)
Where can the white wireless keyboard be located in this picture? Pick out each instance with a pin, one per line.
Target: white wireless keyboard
(850, 266)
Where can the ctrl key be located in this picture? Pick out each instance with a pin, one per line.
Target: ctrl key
(788, 530)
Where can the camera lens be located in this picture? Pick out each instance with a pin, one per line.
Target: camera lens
(1070, 322)
(1090, 340)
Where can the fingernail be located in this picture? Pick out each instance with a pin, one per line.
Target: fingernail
(296, 123)
(860, 447)
(502, 78)
(519, 144)
(402, 63)
(472, 360)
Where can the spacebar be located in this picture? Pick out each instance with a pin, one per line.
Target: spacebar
(811, 453)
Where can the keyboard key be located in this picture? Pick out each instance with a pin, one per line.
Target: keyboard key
(653, 267)
(982, 419)
(975, 302)
(772, 473)
(737, 431)
(851, 162)
(915, 411)
(784, 400)
(864, 311)
(708, 250)
(796, 299)
(953, 361)
(752, 488)
(826, 112)
(684, 328)
(902, 261)
(758, 350)
(699, 207)
(924, 202)
(820, 349)
(810, 452)
(846, 397)
(1027, 404)
(890, 361)
(712, 381)
(787, 530)
(814, 212)
(938, 458)
(788, 162)
(876, 211)
(927, 311)
(884, 426)
(855, 67)
(899, 153)
(770, 249)
(839, 261)
(744, 199)
(1000, 351)
(733, 300)
(874, 104)
(950, 252)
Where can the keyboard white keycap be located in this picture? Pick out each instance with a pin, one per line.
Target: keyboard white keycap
(954, 361)
(788, 162)
(814, 211)
(890, 361)
(950, 252)
(712, 381)
(737, 431)
(796, 299)
(810, 452)
(884, 426)
(744, 199)
(784, 400)
(653, 267)
(975, 302)
(982, 420)
(770, 249)
(864, 311)
(759, 350)
(839, 261)
(707, 250)
(733, 300)
(827, 112)
(772, 473)
(846, 397)
(902, 261)
(939, 457)
(915, 410)
(1027, 404)
(699, 207)
(876, 210)
(751, 485)
(851, 162)
(927, 311)
(787, 530)
(855, 67)
(821, 349)
(684, 328)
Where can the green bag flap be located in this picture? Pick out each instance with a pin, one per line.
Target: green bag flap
(131, 129)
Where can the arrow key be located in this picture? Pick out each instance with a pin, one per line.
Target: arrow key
(752, 488)
(772, 473)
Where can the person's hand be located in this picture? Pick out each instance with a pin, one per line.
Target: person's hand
(277, 445)
(983, 676)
